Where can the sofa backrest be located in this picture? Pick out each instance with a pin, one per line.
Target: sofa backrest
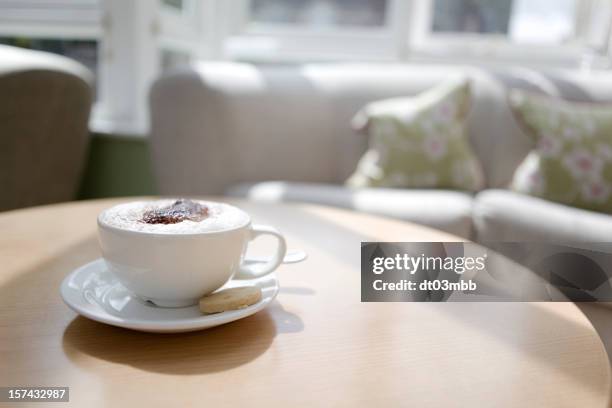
(222, 123)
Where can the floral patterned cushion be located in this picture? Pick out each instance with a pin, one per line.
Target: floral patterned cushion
(419, 142)
(572, 160)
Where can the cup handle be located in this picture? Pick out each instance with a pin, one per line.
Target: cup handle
(257, 270)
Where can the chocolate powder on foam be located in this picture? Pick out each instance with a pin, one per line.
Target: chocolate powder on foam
(179, 211)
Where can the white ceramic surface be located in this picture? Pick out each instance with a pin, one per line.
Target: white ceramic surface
(176, 270)
(94, 292)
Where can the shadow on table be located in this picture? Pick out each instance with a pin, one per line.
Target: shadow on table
(285, 321)
(216, 349)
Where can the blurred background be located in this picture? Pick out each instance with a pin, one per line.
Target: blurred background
(126, 46)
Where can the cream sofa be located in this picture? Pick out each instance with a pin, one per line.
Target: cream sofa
(282, 133)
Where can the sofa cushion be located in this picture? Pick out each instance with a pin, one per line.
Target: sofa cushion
(501, 215)
(572, 163)
(419, 142)
(445, 210)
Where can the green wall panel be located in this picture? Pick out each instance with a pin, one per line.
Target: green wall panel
(117, 166)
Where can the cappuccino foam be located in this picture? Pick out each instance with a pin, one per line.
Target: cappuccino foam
(129, 216)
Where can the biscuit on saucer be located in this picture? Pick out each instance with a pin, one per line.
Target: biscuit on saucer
(230, 299)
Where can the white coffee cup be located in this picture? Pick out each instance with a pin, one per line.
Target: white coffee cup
(177, 269)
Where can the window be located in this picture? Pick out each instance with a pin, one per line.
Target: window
(319, 13)
(558, 16)
(519, 21)
(172, 59)
(311, 30)
(512, 30)
(176, 4)
(63, 17)
(127, 44)
(471, 16)
(463, 30)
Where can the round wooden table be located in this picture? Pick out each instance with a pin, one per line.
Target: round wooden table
(317, 345)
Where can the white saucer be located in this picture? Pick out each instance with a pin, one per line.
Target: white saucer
(92, 291)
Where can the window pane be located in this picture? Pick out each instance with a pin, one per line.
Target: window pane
(472, 16)
(520, 20)
(83, 51)
(173, 59)
(529, 16)
(177, 4)
(320, 13)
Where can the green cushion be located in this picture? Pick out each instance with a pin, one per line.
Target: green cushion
(572, 160)
(419, 142)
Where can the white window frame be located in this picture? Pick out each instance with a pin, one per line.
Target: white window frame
(180, 29)
(459, 47)
(135, 34)
(275, 42)
(407, 36)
